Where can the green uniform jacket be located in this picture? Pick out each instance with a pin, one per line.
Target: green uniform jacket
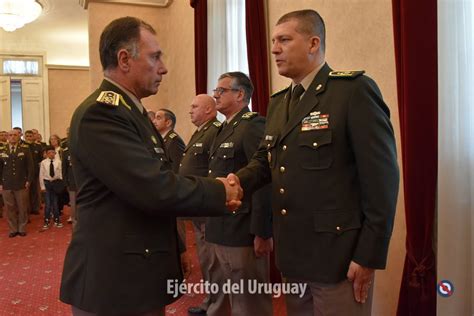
(196, 154)
(174, 147)
(232, 149)
(334, 174)
(124, 248)
(16, 168)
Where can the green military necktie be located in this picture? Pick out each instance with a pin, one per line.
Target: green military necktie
(298, 90)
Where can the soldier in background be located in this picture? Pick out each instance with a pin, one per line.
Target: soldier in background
(196, 162)
(37, 155)
(16, 175)
(165, 122)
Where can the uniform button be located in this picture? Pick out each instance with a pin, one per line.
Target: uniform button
(161, 159)
(283, 212)
(180, 164)
(210, 171)
(282, 169)
(195, 154)
(315, 144)
(224, 156)
(268, 145)
(184, 154)
(212, 157)
(284, 147)
(282, 190)
(147, 251)
(338, 228)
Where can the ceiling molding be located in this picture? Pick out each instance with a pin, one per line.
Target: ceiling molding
(149, 3)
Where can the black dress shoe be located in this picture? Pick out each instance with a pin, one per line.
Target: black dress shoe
(22, 234)
(11, 235)
(196, 310)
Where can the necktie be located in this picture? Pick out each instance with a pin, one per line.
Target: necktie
(298, 90)
(51, 169)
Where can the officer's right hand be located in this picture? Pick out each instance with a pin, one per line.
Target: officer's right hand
(234, 193)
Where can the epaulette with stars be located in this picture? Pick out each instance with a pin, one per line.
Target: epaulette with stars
(173, 135)
(346, 74)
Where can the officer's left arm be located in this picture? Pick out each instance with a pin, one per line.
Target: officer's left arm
(373, 143)
(261, 213)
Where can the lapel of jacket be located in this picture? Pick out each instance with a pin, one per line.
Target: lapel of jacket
(309, 101)
(227, 130)
(198, 135)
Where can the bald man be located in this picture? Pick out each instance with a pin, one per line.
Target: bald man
(196, 162)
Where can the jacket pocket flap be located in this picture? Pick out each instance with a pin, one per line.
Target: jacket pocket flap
(336, 221)
(142, 245)
(225, 153)
(315, 139)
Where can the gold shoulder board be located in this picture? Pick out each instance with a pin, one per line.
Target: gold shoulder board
(109, 98)
(217, 124)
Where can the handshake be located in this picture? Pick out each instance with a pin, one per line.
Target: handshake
(233, 191)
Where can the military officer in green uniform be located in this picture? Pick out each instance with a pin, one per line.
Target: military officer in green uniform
(16, 175)
(37, 155)
(329, 151)
(240, 243)
(165, 123)
(196, 162)
(124, 249)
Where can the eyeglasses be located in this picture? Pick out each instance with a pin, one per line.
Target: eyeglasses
(220, 91)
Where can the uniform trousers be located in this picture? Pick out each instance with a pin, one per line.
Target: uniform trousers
(204, 255)
(238, 265)
(16, 202)
(78, 312)
(322, 299)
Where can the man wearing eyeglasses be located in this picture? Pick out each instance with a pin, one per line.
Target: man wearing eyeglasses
(239, 243)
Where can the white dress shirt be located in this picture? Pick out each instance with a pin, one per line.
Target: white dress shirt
(44, 171)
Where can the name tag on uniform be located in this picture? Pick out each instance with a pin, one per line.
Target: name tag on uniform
(227, 145)
(198, 145)
(315, 121)
(159, 150)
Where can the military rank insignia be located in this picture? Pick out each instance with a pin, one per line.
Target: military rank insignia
(314, 121)
(217, 124)
(173, 135)
(109, 98)
(227, 145)
(249, 115)
(346, 73)
(153, 139)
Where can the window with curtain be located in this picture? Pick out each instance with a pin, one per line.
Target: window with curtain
(227, 43)
(20, 67)
(456, 154)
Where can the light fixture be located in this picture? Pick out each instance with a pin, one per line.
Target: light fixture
(16, 13)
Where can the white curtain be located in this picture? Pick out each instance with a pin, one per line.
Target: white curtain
(226, 39)
(456, 154)
(21, 67)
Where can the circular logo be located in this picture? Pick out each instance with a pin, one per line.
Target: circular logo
(445, 288)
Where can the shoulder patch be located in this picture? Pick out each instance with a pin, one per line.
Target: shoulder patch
(109, 98)
(279, 92)
(173, 135)
(249, 115)
(217, 124)
(346, 73)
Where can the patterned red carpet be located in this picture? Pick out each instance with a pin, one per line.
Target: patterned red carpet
(30, 272)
